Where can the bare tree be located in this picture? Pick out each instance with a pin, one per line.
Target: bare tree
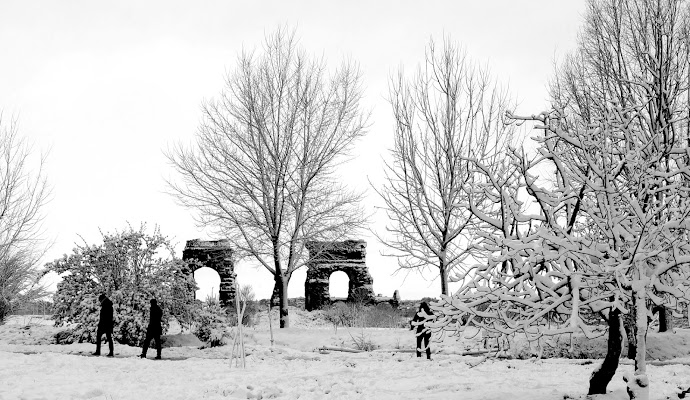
(263, 169)
(449, 111)
(23, 193)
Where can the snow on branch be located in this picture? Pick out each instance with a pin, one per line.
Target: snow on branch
(566, 235)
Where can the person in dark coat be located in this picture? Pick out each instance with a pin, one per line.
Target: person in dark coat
(154, 329)
(105, 325)
(423, 333)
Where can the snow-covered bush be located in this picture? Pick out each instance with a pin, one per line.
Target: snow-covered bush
(211, 323)
(130, 267)
(64, 337)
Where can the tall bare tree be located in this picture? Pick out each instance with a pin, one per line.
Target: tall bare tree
(449, 111)
(23, 193)
(263, 168)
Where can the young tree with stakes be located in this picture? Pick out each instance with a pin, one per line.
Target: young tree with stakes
(450, 110)
(262, 170)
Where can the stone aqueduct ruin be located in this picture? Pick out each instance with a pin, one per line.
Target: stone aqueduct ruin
(325, 258)
(217, 255)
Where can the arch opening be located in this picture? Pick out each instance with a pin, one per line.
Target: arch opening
(208, 281)
(338, 285)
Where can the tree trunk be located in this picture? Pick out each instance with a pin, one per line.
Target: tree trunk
(275, 296)
(284, 318)
(443, 270)
(444, 278)
(281, 279)
(638, 384)
(603, 375)
(280, 298)
(631, 331)
(665, 320)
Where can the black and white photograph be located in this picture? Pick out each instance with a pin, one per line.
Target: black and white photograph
(386, 199)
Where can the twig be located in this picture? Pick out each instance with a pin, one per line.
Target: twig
(656, 362)
(464, 353)
(344, 349)
(348, 350)
(270, 324)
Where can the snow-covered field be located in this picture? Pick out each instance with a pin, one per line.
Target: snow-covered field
(32, 368)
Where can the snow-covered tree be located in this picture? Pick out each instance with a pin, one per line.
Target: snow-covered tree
(597, 221)
(599, 216)
(130, 267)
(632, 53)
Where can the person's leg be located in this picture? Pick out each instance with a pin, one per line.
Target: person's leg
(109, 337)
(427, 336)
(419, 344)
(146, 344)
(99, 336)
(158, 346)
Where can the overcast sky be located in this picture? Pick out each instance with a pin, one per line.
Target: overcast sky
(106, 88)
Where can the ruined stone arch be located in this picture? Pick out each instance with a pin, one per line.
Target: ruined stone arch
(348, 256)
(217, 255)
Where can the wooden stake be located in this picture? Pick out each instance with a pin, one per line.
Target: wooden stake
(235, 342)
(270, 324)
(239, 321)
(232, 351)
(240, 314)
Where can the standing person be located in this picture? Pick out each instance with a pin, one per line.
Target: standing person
(105, 325)
(423, 333)
(154, 329)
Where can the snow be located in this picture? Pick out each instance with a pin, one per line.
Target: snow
(293, 368)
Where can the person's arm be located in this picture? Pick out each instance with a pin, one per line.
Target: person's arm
(413, 320)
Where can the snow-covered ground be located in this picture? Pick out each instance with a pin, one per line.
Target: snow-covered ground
(32, 368)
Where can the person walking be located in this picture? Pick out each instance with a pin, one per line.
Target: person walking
(105, 325)
(423, 333)
(154, 329)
